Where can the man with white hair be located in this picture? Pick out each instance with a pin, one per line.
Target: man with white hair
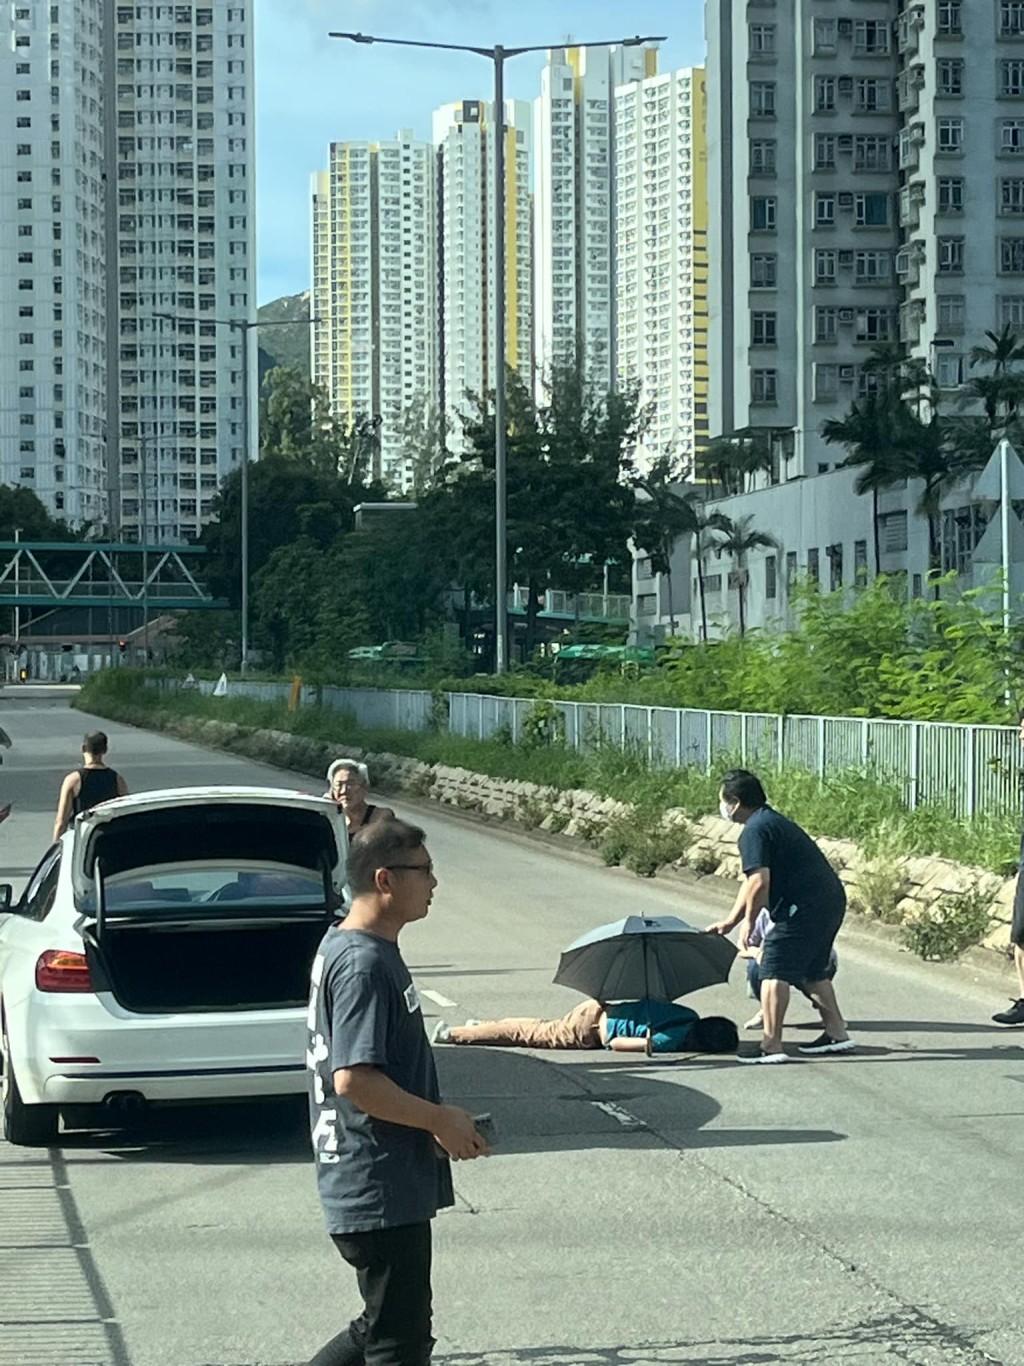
(349, 786)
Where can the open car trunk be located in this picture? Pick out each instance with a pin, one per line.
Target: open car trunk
(211, 907)
(233, 966)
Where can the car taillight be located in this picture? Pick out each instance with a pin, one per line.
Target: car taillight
(62, 970)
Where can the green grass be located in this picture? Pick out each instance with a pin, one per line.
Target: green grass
(848, 805)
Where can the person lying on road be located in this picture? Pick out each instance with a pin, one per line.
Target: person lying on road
(625, 1027)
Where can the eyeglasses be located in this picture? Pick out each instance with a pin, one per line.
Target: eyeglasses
(427, 868)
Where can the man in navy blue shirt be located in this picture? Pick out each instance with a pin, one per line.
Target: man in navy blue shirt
(785, 872)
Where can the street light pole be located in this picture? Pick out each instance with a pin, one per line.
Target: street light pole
(498, 55)
(500, 424)
(243, 326)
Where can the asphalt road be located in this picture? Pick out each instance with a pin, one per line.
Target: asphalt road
(853, 1210)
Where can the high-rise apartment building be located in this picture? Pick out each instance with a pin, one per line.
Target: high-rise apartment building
(127, 161)
(863, 169)
(661, 261)
(53, 342)
(574, 264)
(464, 137)
(375, 342)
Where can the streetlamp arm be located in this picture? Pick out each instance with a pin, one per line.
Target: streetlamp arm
(490, 52)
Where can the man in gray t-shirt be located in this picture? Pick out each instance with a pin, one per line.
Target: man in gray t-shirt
(380, 1131)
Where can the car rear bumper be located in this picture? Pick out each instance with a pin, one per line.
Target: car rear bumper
(90, 1048)
(100, 1086)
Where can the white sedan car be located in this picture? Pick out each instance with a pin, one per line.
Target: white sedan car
(161, 952)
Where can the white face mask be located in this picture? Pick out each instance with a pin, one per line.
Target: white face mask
(724, 810)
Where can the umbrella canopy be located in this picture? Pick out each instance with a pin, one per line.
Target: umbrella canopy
(659, 958)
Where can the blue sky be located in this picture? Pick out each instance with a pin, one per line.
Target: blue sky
(311, 90)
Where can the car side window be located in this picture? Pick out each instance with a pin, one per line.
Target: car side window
(41, 891)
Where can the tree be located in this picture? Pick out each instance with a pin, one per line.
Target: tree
(736, 539)
(568, 498)
(731, 461)
(666, 512)
(896, 432)
(1001, 391)
(296, 423)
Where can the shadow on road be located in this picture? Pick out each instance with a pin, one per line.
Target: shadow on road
(541, 1107)
(256, 1132)
(870, 1342)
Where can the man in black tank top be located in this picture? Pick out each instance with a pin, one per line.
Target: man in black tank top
(89, 785)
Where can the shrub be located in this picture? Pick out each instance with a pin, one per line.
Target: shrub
(953, 925)
(881, 886)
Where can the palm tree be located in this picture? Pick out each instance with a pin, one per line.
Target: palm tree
(737, 539)
(1000, 392)
(728, 460)
(667, 512)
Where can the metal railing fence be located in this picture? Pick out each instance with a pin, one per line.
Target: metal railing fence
(971, 770)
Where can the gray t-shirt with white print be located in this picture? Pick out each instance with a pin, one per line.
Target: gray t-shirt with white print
(364, 1010)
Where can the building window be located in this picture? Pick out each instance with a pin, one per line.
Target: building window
(813, 568)
(951, 311)
(824, 152)
(824, 35)
(1011, 136)
(874, 97)
(646, 604)
(790, 570)
(824, 94)
(871, 210)
(1011, 18)
(762, 156)
(763, 270)
(873, 267)
(764, 386)
(950, 256)
(771, 576)
(824, 210)
(1011, 78)
(762, 40)
(1011, 310)
(826, 382)
(950, 198)
(762, 328)
(762, 213)
(762, 99)
(1011, 256)
(826, 324)
(871, 37)
(874, 325)
(892, 532)
(950, 72)
(949, 370)
(825, 266)
(835, 562)
(871, 152)
(950, 18)
(950, 136)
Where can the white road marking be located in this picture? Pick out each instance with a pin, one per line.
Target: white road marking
(627, 1120)
(438, 999)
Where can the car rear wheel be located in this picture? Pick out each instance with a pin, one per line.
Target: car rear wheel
(29, 1126)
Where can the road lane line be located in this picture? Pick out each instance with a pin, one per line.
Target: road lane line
(438, 999)
(627, 1120)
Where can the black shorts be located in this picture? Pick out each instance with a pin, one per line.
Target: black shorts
(799, 946)
(1017, 923)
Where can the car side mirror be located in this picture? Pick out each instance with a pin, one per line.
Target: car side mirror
(6, 896)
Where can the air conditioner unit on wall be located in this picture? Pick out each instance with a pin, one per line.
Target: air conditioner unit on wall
(846, 199)
(846, 85)
(846, 316)
(847, 374)
(846, 28)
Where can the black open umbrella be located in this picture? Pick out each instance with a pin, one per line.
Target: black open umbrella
(645, 957)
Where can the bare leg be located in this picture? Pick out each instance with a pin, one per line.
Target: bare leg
(774, 1003)
(824, 997)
